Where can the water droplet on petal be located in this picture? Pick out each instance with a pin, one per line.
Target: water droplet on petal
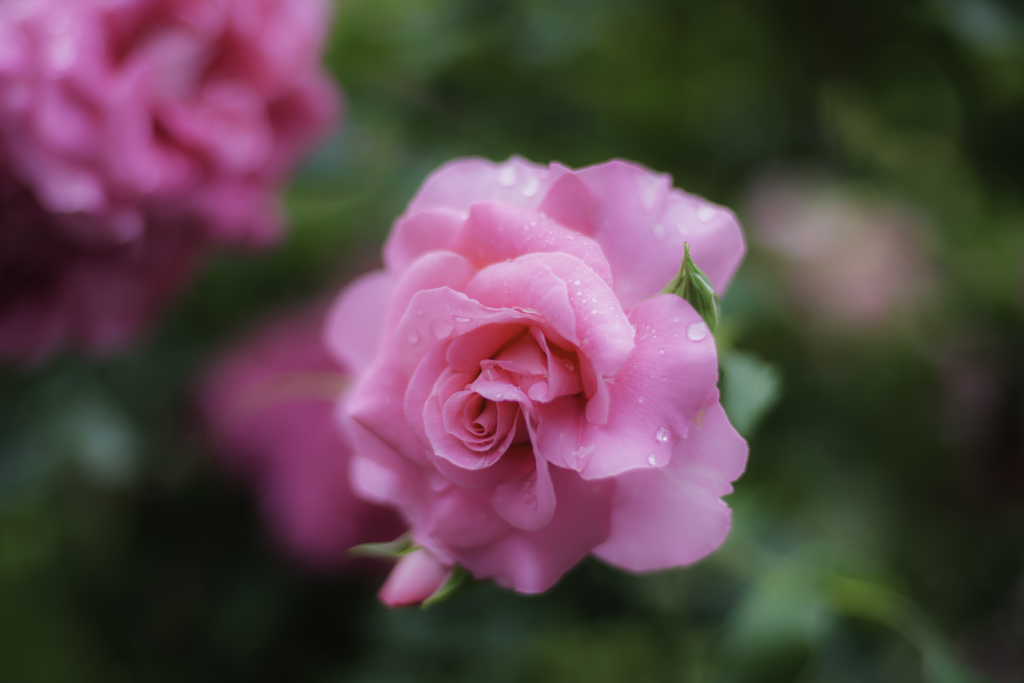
(659, 230)
(706, 213)
(661, 352)
(576, 282)
(696, 331)
(531, 187)
(507, 176)
(640, 399)
(442, 330)
(651, 460)
(414, 337)
(579, 292)
(661, 435)
(461, 319)
(593, 311)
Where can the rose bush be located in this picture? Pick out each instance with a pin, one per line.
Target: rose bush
(531, 397)
(267, 402)
(133, 136)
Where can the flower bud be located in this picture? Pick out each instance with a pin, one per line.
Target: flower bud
(416, 577)
(694, 286)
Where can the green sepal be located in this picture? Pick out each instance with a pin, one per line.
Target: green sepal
(403, 545)
(457, 579)
(694, 286)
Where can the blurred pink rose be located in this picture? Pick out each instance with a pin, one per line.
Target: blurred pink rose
(133, 134)
(529, 397)
(269, 403)
(848, 259)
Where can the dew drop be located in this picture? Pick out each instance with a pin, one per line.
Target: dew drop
(414, 337)
(461, 319)
(576, 282)
(593, 311)
(661, 435)
(531, 187)
(706, 213)
(507, 177)
(696, 331)
(640, 399)
(569, 366)
(659, 230)
(651, 460)
(661, 352)
(579, 292)
(441, 329)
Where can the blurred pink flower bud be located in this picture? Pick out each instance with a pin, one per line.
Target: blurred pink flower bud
(269, 404)
(848, 259)
(526, 397)
(414, 579)
(133, 135)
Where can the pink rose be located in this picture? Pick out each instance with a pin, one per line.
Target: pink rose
(133, 135)
(268, 403)
(531, 397)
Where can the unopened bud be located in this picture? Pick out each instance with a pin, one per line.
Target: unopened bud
(694, 286)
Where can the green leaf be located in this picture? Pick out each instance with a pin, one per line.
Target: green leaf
(402, 545)
(694, 286)
(457, 579)
(750, 388)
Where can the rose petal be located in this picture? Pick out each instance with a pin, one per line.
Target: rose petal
(376, 404)
(528, 504)
(452, 446)
(657, 393)
(532, 561)
(464, 517)
(433, 270)
(569, 297)
(460, 184)
(496, 232)
(418, 233)
(355, 323)
(513, 465)
(641, 226)
(468, 350)
(674, 515)
(447, 314)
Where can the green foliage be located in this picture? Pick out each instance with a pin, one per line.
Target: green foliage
(750, 389)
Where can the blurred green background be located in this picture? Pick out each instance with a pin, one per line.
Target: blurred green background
(871, 351)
